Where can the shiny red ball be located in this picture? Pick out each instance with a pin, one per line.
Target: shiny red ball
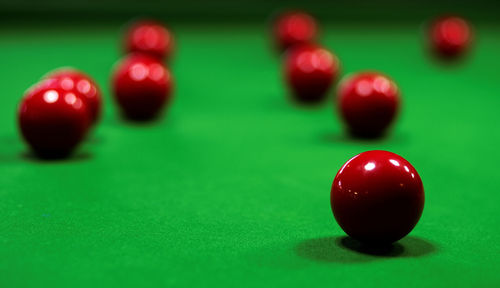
(72, 79)
(294, 28)
(151, 38)
(310, 71)
(142, 86)
(53, 120)
(377, 197)
(450, 37)
(368, 103)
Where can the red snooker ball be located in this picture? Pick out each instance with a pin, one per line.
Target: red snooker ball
(377, 197)
(294, 28)
(368, 103)
(72, 79)
(53, 120)
(151, 38)
(450, 37)
(310, 71)
(142, 86)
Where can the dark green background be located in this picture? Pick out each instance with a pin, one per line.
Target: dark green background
(245, 10)
(231, 187)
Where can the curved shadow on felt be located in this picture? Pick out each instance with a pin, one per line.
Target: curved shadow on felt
(76, 157)
(347, 250)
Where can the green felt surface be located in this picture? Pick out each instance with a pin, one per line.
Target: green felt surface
(232, 186)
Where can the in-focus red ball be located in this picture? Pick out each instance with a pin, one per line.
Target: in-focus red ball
(151, 38)
(53, 120)
(142, 86)
(294, 28)
(377, 197)
(72, 79)
(310, 71)
(368, 103)
(450, 37)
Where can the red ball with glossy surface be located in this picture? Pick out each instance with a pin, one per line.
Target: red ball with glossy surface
(310, 71)
(53, 120)
(450, 37)
(377, 197)
(72, 79)
(142, 86)
(151, 38)
(368, 103)
(294, 28)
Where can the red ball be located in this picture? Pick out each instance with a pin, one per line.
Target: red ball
(142, 86)
(368, 103)
(310, 71)
(71, 78)
(294, 28)
(53, 120)
(450, 37)
(151, 38)
(377, 197)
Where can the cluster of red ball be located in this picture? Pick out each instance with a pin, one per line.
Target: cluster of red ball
(377, 197)
(367, 101)
(142, 83)
(56, 114)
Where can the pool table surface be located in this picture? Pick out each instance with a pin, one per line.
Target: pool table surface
(232, 185)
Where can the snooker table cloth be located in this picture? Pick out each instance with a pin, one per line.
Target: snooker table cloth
(232, 185)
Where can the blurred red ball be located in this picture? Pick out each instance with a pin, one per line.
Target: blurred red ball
(52, 119)
(450, 37)
(142, 86)
(368, 103)
(294, 28)
(150, 38)
(310, 71)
